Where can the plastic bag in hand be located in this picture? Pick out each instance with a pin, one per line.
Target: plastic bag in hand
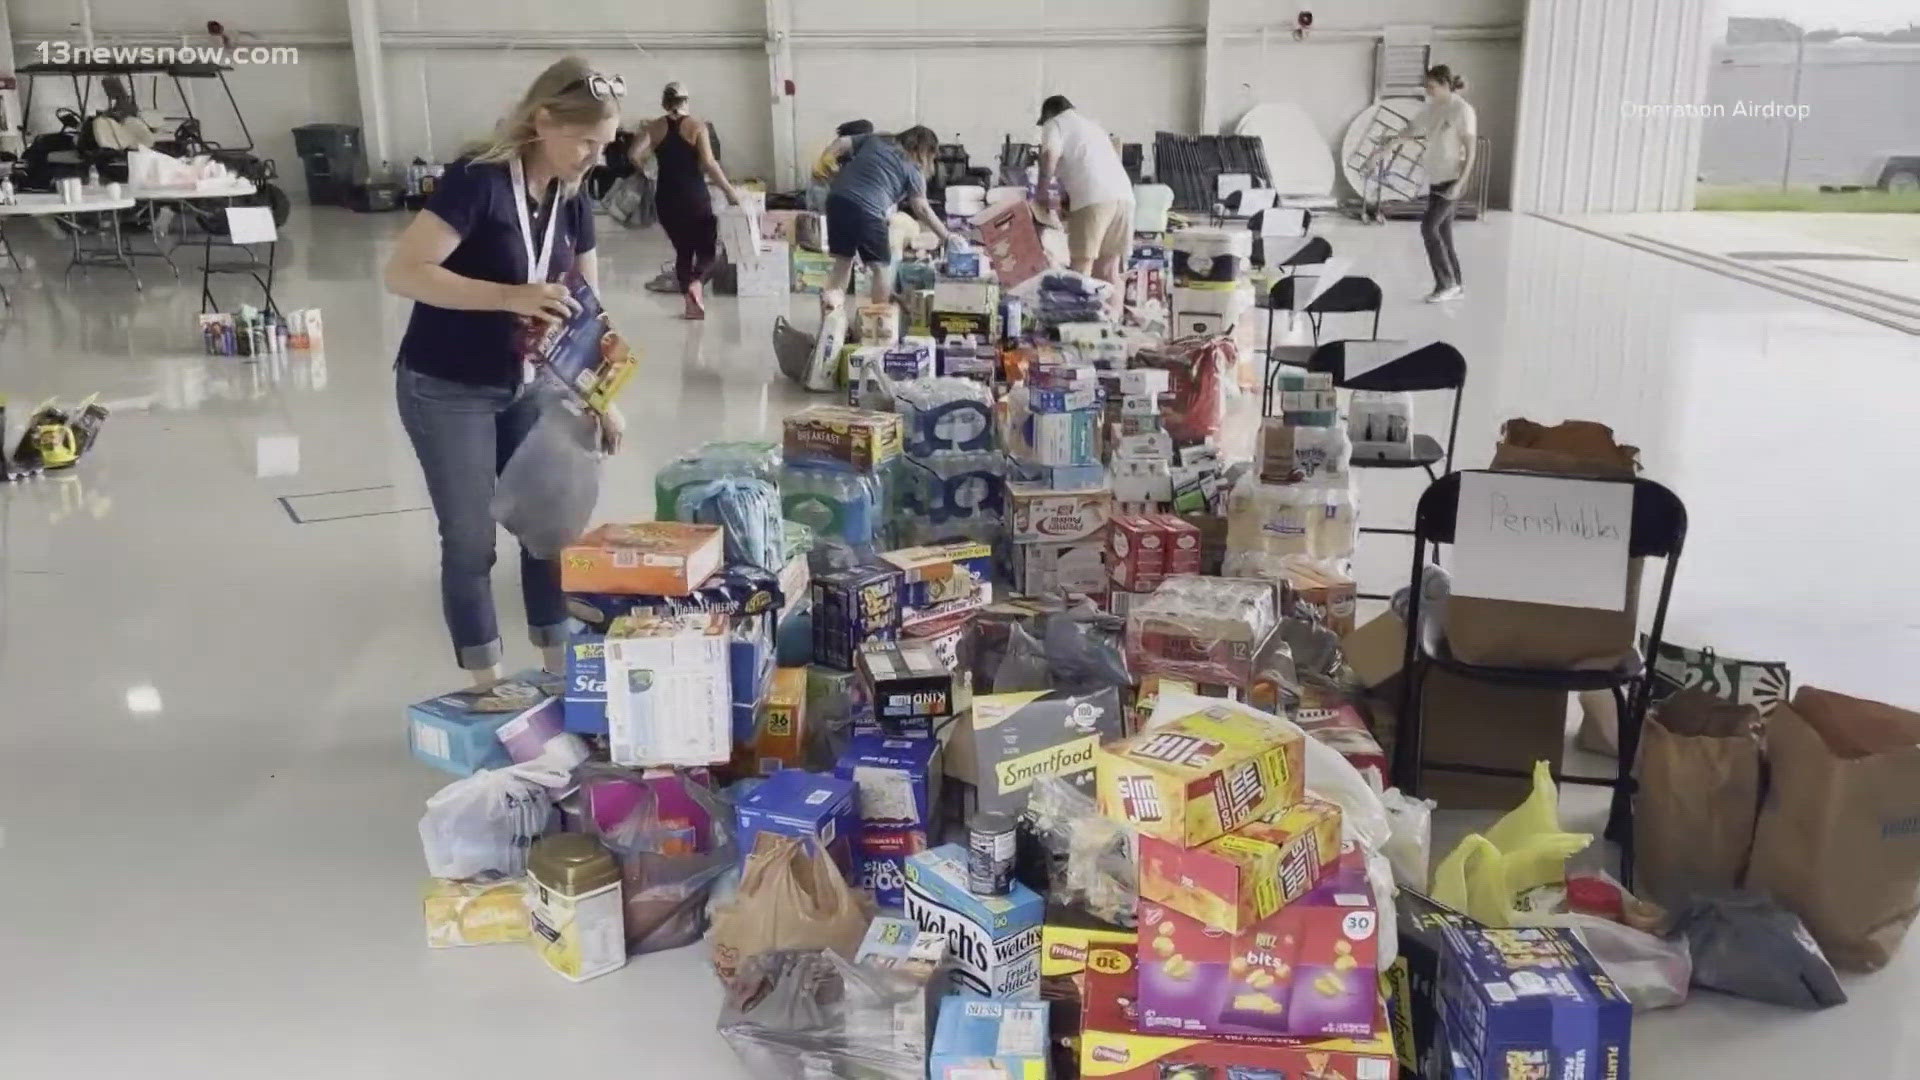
(484, 823)
(546, 494)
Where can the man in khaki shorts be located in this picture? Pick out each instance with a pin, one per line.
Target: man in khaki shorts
(1079, 152)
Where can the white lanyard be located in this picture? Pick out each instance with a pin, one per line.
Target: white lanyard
(536, 268)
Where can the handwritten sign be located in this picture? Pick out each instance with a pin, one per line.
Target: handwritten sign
(1542, 540)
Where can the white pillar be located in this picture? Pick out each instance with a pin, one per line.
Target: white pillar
(786, 151)
(1604, 91)
(370, 74)
(1212, 95)
(9, 99)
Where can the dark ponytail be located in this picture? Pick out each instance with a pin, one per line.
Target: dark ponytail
(1444, 75)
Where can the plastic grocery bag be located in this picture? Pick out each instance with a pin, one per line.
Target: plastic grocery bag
(1485, 875)
(1653, 972)
(1410, 841)
(484, 823)
(669, 867)
(546, 493)
(792, 896)
(802, 1014)
(1747, 945)
(823, 365)
(1089, 857)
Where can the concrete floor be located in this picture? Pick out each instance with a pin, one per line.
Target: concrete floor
(208, 857)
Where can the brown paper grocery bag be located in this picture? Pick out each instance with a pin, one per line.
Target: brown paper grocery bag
(1838, 841)
(1570, 448)
(1693, 818)
(791, 896)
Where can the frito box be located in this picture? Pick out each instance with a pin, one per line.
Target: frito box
(1064, 945)
(1203, 775)
(1234, 882)
(1113, 1048)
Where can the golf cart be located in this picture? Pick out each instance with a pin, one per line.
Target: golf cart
(72, 148)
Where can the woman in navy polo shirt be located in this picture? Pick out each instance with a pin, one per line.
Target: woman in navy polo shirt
(504, 225)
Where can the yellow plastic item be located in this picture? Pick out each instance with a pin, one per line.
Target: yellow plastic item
(56, 444)
(1524, 850)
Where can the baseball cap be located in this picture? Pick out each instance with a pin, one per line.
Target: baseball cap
(1053, 107)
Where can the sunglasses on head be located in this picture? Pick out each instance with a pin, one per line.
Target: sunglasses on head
(602, 87)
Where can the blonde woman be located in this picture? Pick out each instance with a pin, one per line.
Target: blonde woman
(504, 225)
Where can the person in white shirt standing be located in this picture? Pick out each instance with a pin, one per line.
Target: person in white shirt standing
(1079, 152)
(1449, 132)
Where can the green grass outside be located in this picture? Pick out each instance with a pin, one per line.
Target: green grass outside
(1807, 200)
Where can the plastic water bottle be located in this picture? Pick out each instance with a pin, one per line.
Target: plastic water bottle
(841, 506)
(713, 461)
(93, 176)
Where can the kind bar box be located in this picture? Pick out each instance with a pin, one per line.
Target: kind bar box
(993, 941)
(842, 434)
(1114, 1046)
(1531, 1002)
(780, 725)
(1238, 880)
(459, 732)
(652, 558)
(1310, 969)
(910, 687)
(940, 580)
(852, 607)
(1009, 740)
(796, 803)
(1042, 514)
(1136, 553)
(1202, 776)
(989, 1040)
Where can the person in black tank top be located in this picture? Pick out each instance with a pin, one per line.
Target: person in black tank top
(684, 148)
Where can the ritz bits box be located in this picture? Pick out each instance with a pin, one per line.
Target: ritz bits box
(1309, 969)
(840, 433)
(1243, 877)
(1202, 776)
(1040, 514)
(1113, 1046)
(647, 558)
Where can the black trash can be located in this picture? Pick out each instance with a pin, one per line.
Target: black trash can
(335, 160)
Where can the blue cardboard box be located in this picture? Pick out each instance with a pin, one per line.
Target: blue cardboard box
(978, 1040)
(1531, 1002)
(793, 802)
(899, 782)
(750, 664)
(451, 734)
(993, 941)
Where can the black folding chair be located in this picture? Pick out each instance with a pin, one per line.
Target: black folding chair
(1350, 295)
(1658, 530)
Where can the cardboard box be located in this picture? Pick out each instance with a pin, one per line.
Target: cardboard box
(966, 296)
(899, 781)
(765, 273)
(1044, 569)
(1136, 552)
(852, 607)
(812, 270)
(459, 732)
(1011, 237)
(1238, 880)
(989, 1040)
(610, 797)
(1332, 719)
(796, 803)
(901, 1026)
(1414, 986)
(1064, 949)
(1038, 514)
(908, 685)
(880, 862)
(843, 435)
(780, 726)
(994, 940)
(939, 580)
(1182, 544)
(1512, 633)
(650, 558)
(1311, 969)
(1531, 1002)
(1112, 1046)
(1008, 740)
(1202, 776)
(669, 690)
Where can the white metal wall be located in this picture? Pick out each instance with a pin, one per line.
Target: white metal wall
(1587, 66)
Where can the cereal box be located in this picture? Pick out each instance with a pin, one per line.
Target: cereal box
(1202, 776)
(989, 1040)
(842, 435)
(1038, 513)
(1309, 969)
(650, 558)
(994, 941)
(1114, 1047)
(796, 803)
(852, 607)
(1243, 877)
(1531, 1004)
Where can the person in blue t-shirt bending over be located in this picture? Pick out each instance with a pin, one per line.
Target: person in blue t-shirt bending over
(880, 172)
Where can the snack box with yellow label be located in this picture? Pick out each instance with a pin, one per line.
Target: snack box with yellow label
(1203, 775)
(476, 912)
(842, 435)
(1064, 950)
(1245, 876)
(648, 558)
(1112, 1047)
(1310, 969)
(780, 726)
(1007, 741)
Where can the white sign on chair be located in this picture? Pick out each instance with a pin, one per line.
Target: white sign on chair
(1542, 539)
(251, 225)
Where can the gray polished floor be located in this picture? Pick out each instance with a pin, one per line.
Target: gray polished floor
(208, 857)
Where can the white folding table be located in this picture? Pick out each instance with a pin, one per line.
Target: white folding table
(84, 235)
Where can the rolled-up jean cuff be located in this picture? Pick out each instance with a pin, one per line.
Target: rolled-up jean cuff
(546, 636)
(475, 657)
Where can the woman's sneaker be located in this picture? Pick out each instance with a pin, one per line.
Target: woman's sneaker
(1451, 292)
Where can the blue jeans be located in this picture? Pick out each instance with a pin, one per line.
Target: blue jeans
(463, 435)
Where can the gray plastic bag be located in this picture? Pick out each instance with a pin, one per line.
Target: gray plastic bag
(546, 494)
(1746, 945)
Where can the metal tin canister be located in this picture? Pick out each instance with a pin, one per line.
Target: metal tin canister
(579, 921)
(991, 843)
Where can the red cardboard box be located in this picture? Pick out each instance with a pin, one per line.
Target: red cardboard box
(1245, 876)
(1136, 552)
(1183, 544)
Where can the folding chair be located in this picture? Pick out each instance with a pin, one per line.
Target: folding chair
(1658, 530)
(1350, 295)
(1315, 252)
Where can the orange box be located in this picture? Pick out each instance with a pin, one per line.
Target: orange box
(779, 726)
(647, 558)
(1234, 882)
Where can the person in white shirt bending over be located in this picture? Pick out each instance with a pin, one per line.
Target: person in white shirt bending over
(1448, 131)
(1075, 149)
